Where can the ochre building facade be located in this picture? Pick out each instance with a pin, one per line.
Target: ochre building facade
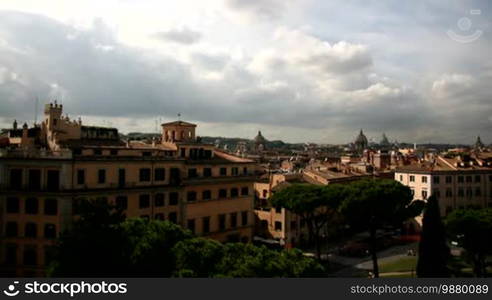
(46, 170)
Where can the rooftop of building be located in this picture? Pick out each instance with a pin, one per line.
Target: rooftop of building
(482, 161)
(179, 123)
(93, 143)
(328, 174)
(230, 157)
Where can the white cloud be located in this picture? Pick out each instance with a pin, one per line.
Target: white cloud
(449, 85)
(253, 10)
(324, 68)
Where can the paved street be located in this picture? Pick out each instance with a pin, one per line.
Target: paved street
(357, 266)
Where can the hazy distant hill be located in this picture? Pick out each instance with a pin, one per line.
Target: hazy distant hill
(277, 144)
(230, 142)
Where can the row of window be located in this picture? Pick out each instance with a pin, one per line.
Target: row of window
(191, 196)
(222, 225)
(30, 230)
(196, 153)
(207, 172)
(449, 192)
(461, 192)
(34, 180)
(30, 255)
(144, 175)
(144, 200)
(31, 206)
(449, 179)
(159, 199)
(114, 152)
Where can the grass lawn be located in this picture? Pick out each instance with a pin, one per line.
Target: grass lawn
(401, 265)
(457, 265)
(392, 275)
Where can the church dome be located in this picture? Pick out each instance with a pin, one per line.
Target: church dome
(259, 139)
(384, 141)
(479, 144)
(361, 138)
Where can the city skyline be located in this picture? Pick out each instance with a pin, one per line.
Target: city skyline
(383, 67)
(372, 139)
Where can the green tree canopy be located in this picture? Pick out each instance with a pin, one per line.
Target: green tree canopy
(316, 205)
(473, 230)
(379, 202)
(301, 199)
(372, 204)
(101, 244)
(198, 257)
(91, 248)
(148, 246)
(206, 258)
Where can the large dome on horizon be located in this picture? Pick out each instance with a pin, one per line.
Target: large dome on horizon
(361, 138)
(259, 139)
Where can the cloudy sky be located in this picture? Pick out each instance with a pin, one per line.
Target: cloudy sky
(299, 70)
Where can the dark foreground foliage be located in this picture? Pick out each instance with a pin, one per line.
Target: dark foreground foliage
(101, 244)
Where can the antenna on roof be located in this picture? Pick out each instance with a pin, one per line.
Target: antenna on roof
(36, 110)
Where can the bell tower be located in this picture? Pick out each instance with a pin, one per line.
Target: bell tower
(178, 131)
(52, 113)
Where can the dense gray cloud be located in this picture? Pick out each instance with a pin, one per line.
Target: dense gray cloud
(300, 85)
(214, 62)
(182, 35)
(89, 69)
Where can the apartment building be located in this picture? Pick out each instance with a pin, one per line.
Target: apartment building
(277, 224)
(46, 170)
(458, 182)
